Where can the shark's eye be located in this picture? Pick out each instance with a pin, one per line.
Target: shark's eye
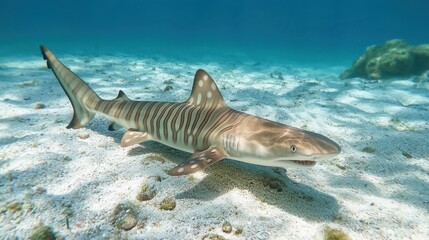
(293, 148)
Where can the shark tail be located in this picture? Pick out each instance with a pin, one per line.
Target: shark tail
(83, 99)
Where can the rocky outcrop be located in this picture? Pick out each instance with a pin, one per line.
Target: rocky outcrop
(395, 58)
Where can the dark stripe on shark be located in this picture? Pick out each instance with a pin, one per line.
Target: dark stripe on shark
(169, 112)
(186, 130)
(130, 112)
(147, 112)
(119, 108)
(219, 122)
(203, 124)
(182, 114)
(178, 113)
(159, 116)
(139, 122)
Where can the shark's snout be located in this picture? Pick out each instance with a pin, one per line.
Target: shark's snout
(331, 148)
(322, 145)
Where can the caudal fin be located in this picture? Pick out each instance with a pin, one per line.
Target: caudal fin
(81, 96)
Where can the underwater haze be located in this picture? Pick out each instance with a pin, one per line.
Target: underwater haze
(308, 30)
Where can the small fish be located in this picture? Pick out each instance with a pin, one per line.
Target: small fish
(203, 125)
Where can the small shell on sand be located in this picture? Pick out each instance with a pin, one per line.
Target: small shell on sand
(42, 232)
(84, 135)
(145, 193)
(226, 227)
(39, 106)
(125, 216)
(168, 204)
(334, 234)
(239, 230)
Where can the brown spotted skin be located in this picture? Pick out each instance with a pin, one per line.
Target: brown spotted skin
(203, 125)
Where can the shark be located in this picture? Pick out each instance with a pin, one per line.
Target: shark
(203, 125)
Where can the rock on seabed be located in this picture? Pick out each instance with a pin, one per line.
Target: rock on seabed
(395, 58)
(125, 216)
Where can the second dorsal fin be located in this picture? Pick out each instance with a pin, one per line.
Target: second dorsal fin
(205, 93)
(122, 96)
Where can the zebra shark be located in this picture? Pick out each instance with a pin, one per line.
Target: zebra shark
(202, 125)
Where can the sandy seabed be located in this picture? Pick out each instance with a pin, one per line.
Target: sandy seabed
(71, 180)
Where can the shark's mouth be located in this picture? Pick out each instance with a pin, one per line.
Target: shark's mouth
(306, 163)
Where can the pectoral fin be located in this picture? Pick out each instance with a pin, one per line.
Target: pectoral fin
(199, 160)
(132, 137)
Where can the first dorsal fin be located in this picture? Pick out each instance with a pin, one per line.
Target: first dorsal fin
(205, 93)
(122, 96)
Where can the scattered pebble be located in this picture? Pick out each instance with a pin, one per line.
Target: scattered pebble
(67, 210)
(368, 150)
(239, 230)
(145, 193)
(342, 167)
(27, 207)
(27, 83)
(84, 135)
(14, 207)
(277, 75)
(213, 236)
(157, 178)
(401, 125)
(338, 218)
(39, 106)
(334, 234)
(273, 184)
(141, 225)
(12, 210)
(155, 157)
(226, 227)
(406, 154)
(42, 232)
(168, 204)
(192, 178)
(168, 88)
(40, 190)
(125, 216)
(10, 176)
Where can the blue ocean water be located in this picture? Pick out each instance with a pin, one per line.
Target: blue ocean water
(308, 30)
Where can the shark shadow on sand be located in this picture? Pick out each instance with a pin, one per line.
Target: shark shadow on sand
(294, 197)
